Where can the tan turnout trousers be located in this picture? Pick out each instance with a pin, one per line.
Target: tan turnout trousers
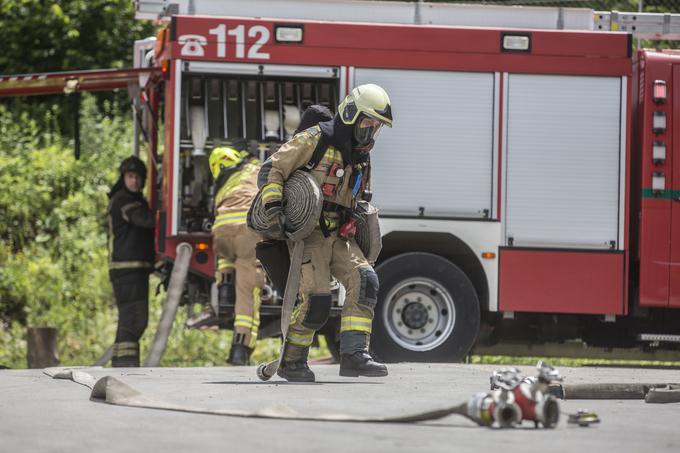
(333, 256)
(235, 249)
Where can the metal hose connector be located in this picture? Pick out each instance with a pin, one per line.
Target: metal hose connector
(302, 205)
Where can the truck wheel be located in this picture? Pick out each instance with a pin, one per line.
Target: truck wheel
(427, 310)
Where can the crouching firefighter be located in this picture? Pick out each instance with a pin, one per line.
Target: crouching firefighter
(131, 236)
(238, 275)
(337, 155)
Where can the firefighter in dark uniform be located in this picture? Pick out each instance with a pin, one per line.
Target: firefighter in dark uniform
(131, 236)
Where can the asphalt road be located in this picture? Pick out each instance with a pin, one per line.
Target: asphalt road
(38, 413)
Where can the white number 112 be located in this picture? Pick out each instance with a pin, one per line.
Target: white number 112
(238, 32)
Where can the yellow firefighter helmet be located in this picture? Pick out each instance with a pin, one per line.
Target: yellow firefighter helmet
(224, 157)
(369, 99)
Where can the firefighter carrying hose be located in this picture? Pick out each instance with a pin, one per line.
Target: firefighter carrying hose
(131, 235)
(342, 170)
(238, 275)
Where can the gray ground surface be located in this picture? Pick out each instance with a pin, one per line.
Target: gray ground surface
(38, 413)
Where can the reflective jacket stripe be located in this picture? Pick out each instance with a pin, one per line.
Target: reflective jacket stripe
(230, 218)
(272, 191)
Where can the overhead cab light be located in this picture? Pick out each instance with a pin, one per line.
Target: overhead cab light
(659, 153)
(516, 42)
(659, 123)
(660, 92)
(289, 34)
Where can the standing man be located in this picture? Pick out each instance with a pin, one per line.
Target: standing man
(131, 237)
(238, 275)
(343, 173)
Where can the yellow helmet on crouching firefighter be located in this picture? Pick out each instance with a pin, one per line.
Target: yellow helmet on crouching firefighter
(224, 157)
(368, 108)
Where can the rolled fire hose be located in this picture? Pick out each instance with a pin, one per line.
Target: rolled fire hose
(368, 236)
(180, 270)
(302, 205)
(303, 202)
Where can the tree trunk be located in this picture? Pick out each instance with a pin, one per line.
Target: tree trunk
(42, 347)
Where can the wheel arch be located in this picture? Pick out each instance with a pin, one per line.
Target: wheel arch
(447, 246)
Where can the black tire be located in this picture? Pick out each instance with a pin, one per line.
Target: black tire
(433, 314)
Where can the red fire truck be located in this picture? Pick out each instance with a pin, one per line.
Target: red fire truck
(530, 187)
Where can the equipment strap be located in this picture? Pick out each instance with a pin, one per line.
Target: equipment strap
(317, 155)
(266, 371)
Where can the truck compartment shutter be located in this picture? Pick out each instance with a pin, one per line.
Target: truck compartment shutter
(563, 154)
(437, 160)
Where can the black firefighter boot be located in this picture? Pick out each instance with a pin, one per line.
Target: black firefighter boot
(239, 355)
(361, 363)
(354, 357)
(293, 367)
(125, 354)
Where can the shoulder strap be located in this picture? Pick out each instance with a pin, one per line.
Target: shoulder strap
(318, 153)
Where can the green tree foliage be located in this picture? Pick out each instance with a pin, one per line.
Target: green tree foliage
(41, 36)
(53, 245)
(63, 35)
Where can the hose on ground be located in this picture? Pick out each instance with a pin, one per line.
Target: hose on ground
(180, 270)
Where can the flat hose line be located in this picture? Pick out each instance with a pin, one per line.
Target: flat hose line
(113, 391)
(651, 393)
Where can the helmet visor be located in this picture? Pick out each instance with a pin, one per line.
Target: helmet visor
(366, 129)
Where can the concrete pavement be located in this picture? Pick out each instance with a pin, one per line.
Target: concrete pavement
(38, 413)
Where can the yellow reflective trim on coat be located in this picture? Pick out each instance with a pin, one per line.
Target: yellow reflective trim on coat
(236, 180)
(223, 263)
(333, 154)
(300, 340)
(230, 218)
(272, 190)
(356, 323)
(247, 325)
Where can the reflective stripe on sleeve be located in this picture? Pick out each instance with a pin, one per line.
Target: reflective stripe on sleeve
(272, 190)
(230, 218)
